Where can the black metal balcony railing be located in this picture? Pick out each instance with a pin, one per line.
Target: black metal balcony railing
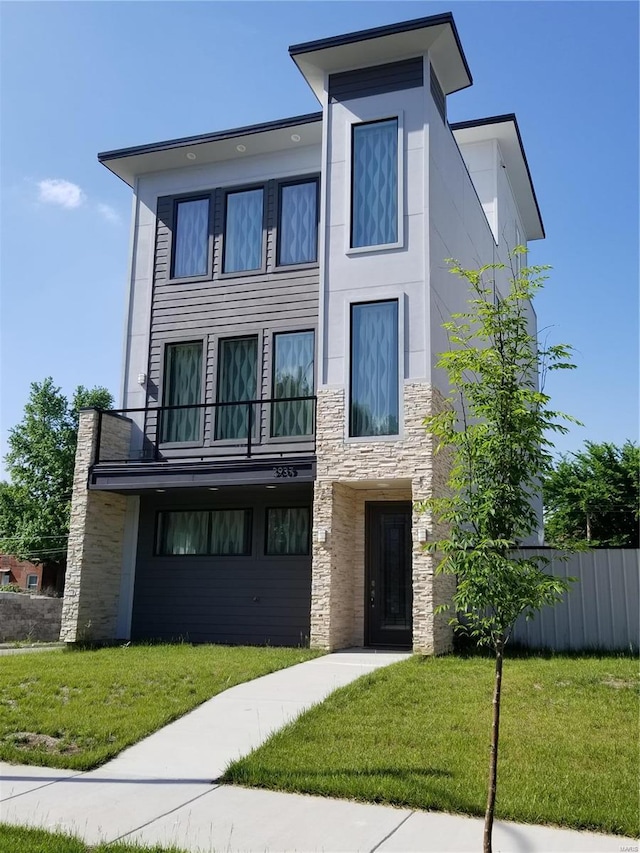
(273, 427)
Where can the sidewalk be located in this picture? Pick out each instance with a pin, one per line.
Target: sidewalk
(163, 790)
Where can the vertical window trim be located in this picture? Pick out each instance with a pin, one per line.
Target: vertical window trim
(187, 339)
(291, 182)
(175, 201)
(400, 299)
(226, 192)
(349, 125)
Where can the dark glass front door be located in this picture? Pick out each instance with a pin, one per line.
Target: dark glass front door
(388, 587)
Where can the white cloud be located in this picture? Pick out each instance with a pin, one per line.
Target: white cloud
(63, 193)
(109, 213)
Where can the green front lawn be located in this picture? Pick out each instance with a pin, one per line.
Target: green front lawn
(76, 709)
(417, 734)
(14, 838)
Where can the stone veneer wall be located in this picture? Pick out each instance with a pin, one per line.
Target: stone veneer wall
(34, 618)
(96, 531)
(343, 467)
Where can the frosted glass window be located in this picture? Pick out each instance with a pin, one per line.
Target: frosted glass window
(182, 532)
(374, 369)
(287, 531)
(182, 387)
(374, 183)
(243, 231)
(191, 238)
(237, 381)
(292, 377)
(298, 225)
(230, 532)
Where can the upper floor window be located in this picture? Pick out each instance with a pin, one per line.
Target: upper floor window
(182, 387)
(374, 403)
(243, 240)
(298, 223)
(237, 382)
(292, 377)
(191, 238)
(32, 582)
(374, 183)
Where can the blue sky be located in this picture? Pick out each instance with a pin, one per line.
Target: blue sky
(78, 78)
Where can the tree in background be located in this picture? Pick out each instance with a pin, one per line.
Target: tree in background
(593, 496)
(35, 505)
(495, 431)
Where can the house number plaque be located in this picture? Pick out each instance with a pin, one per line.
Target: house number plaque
(285, 471)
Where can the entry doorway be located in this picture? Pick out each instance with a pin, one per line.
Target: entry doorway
(388, 581)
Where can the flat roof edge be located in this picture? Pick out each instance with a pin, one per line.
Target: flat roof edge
(502, 119)
(380, 32)
(218, 136)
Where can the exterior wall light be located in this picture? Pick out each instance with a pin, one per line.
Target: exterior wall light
(422, 534)
(142, 378)
(321, 535)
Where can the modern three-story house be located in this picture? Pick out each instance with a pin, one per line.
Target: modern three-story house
(288, 286)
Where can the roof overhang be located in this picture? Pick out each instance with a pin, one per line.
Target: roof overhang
(282, 135)
(436, 34)
(505, 129)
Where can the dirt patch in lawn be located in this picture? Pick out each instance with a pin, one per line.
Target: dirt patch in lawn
(46, 743)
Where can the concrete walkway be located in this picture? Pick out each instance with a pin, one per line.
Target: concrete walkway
(164, 790)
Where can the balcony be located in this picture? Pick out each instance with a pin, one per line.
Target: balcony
(208, 444)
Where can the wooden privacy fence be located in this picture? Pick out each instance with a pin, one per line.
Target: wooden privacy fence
(601, 610)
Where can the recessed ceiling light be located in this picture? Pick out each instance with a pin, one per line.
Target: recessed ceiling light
(191, 155)
(270, 487)
(241, 148)
(213, 488)
(160, 490)
(295, 137)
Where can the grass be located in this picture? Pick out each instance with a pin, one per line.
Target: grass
(417, 733)
(14, 838)
(77, 708)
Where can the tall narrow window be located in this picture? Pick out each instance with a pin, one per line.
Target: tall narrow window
(374, 183)
(182, 532)
(298, 223)
(191, 238)
(182, 387)
(237, 381)
(243, 231)
(287, 531)
(292, 377)
(374, 369)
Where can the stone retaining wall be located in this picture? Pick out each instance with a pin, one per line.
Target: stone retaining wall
(29, 617)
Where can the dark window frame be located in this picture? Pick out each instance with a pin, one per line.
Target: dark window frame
(258, 334)
(267, 510)
(397, 243)
(288, 439)
(275, 229)
(381, 436)
(177, 341)
(175, 202)
(248, 532)
(226, 192)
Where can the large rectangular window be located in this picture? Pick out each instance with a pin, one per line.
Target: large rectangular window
(191, 238)
(237, 381)
(287, 531)
(182, 387)
(215, 533)
(374, 369)
(298, 223)
(374, 183)
(292, 377)
(243, 230)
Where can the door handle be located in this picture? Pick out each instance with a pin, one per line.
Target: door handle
(372, 593)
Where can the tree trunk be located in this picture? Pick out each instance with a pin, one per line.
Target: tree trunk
(493, 759)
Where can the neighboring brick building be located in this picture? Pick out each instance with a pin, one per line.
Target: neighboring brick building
(20, 572)
(287, 292)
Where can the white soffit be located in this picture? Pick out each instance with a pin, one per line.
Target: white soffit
(440, 39)
(506, 131)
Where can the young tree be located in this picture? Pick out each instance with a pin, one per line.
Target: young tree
(495, 430)
(34, 506)
(593, 496)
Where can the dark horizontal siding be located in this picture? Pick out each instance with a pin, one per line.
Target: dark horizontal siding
(252, 600)
(438, 95)
(377, 80)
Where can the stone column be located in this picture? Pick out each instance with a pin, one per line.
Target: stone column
(96, 530)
